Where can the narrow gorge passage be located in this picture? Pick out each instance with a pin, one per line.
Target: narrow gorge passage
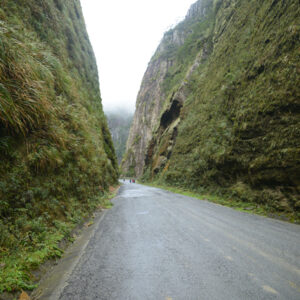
(154, 244)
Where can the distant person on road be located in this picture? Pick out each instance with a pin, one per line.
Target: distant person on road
(130, 180)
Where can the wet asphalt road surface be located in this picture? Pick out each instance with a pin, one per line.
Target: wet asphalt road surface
(154, 244)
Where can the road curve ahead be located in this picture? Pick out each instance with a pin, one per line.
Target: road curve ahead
(154, 244)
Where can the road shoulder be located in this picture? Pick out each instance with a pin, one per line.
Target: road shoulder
(56, 278)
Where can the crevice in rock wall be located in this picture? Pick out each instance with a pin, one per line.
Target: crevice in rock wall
(171, 114)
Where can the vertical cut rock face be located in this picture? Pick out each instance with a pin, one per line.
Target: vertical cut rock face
(151, 99)
(218, 109)
(57, 160)
(56, 151)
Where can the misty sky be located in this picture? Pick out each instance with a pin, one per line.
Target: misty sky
(124, 35)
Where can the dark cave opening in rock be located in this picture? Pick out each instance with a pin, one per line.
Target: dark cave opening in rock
(170, 114)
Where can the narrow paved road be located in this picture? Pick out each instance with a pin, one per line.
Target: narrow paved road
(154, 244)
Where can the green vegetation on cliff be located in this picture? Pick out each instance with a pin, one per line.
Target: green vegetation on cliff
(119, 124)
(56, 153)
(231, 120)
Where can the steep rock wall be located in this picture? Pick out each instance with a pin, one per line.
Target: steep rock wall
(56, 153)
(151, 99)
(119, 124)
(230, 119)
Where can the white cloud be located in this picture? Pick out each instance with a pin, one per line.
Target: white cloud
(124, 35)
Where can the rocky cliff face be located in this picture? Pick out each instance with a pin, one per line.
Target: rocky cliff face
(152, 96)
(119, 123)
(225, 112)
(56, 154)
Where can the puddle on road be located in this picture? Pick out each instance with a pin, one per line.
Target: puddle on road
(143, 213)
(133, 194)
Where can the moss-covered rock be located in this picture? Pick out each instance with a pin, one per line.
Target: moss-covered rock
(235, 81)
(56, 153)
